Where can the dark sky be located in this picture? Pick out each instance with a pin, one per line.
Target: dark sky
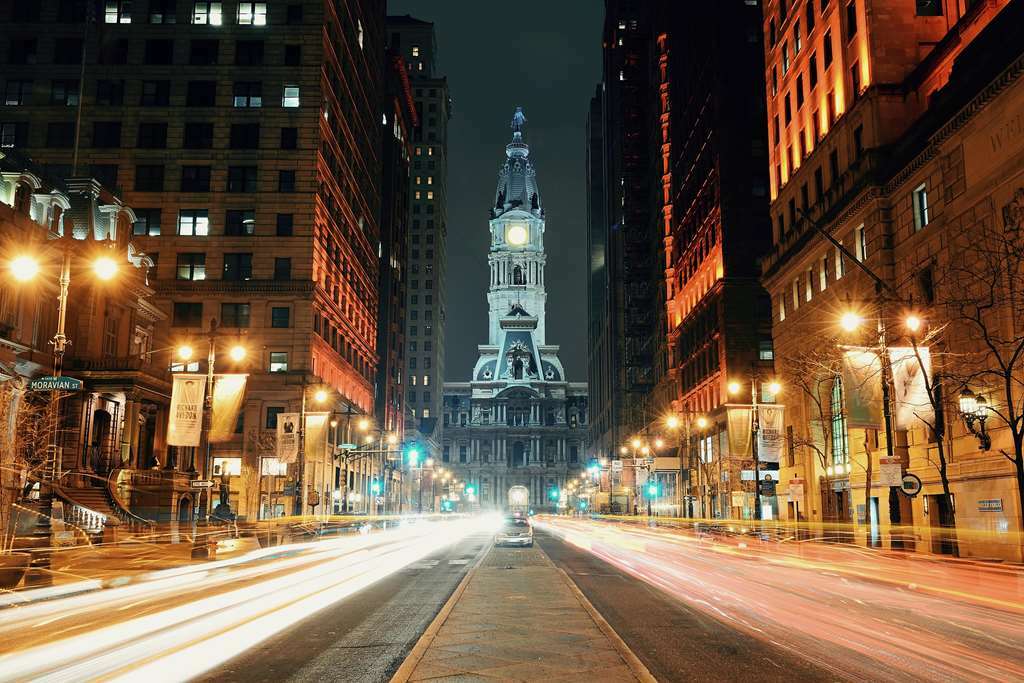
(544, 56)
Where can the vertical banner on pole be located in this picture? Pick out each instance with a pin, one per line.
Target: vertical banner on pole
(739, 432)
(316, 435)
(769, 432)
(287, 437)
(185, 422)
(912, 406)
(228, 392)
(862, 388)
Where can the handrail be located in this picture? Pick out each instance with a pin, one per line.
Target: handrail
(118, 506)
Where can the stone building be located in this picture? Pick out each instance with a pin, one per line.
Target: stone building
(896, 129)
(518, 421)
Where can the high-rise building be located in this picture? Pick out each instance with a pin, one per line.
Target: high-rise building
(712, 207)
(246, 136)
(414, 40)
(518, 421)
(892, 177)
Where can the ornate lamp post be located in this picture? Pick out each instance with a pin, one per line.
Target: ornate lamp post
(974, 412)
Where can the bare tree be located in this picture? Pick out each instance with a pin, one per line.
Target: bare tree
(978, 286)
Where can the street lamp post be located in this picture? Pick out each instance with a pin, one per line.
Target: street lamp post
(773, 388)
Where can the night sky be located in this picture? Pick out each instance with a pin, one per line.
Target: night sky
(544, 56)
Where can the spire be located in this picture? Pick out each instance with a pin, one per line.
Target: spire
(517, 182)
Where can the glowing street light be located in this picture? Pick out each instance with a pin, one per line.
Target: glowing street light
(363, 424)
(702, 422)
(734, 387)
(320, 396)
(185, 352)
(774, 388)
(659, 443)
(672, 422)
(24, 268)
(623, 450)
(637, 443)
(850, 321)
(237, 353)
(105, 268)
(913, 323)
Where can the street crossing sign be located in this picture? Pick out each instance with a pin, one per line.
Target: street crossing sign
(201, 484)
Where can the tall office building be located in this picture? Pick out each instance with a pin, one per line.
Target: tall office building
(246, 137)
(415, 41)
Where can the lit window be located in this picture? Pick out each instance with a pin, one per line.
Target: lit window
(860, 240)
(426, 413)
(809, 289)
(415, 50)
(782, 307)
(796, 294)
(430, 151)
(921, 209)
(290, 98)
(430, 180)
(208, 13)
(430, 195)
(416, 195)
(118, 12)
(823, 273)
(232, 466)
(252, 13)
(840, 262)
(426, 380)
(194, 222)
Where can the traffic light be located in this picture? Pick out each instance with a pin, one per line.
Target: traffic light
(653, 489)
(412, 455)
(553, 493)
(375, 487)
(470, 490)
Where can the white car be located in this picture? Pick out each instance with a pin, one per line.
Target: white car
(515, 531)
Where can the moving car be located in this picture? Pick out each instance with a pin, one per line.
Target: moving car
(515, 530)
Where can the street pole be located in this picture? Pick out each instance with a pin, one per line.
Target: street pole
(755, 425)
(300, 494)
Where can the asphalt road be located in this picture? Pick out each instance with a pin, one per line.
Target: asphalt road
(674, 641)
(366, 636)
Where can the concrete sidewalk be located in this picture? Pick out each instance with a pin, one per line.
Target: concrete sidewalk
(517, 617)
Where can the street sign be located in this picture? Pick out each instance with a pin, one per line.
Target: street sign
(347, 446)
(650, 462)
(796, 491)
(616, 465)
(767, 486)
(55, 384)
(911, 484)
(201, 484)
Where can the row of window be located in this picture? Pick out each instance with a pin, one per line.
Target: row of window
(190, 314)
(150, 178)
(196, 223)
(236, 266)
(202, 12)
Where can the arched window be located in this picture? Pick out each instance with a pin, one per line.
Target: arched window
(840, 440)
(517, 276)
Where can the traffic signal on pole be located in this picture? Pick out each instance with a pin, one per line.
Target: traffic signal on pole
(470, 489)
(653, 489)
(375, 487)
(553, 493)
(412, 455)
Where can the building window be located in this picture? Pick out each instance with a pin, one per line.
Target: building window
(187, 314)
(279, 361)
(208, 13)
(282, 268)
(851, 20)
(149, 178)
(252, 13)
(840, 448)
(110, 92)
(855, 79)
(290, 96)
(929, 8)
(921, 209)
(272, 414)
(158, 52)
(106, 134)
(797, 40)
(248, 94)
(799, 91)
(162, 12)
(860, 241)
(840, 263)
(64, 92)
(765, 350)
(785, 57)
(823, 273)
(147, 222)
(240, 222)
(809, 287)
(234, 315)
(193, 222)
(191, 267)
(294, 15)
(152, 136)
(289, 138)
(195, 178)
(788, 107)
(286, 181)
(156, 93)
(198, 136)
(245, 136)
(292, 55)
(280, 316)
(827, 47)
(285, 224)
(13, 134)
(114, 52)
(241, 179)
(796, 294)
(249, 53)
(17, 92)
(237, 266)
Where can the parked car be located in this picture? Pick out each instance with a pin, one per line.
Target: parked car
(515, 530)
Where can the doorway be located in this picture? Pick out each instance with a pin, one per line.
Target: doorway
(942, 520)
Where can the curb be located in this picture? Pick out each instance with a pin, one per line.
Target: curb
(631, 660)
(412, 660)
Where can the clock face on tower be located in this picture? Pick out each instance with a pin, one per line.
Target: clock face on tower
(516, 234)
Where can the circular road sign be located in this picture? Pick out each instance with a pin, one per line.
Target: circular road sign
(911, 485)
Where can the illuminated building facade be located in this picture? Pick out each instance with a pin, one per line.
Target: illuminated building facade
(887, 128)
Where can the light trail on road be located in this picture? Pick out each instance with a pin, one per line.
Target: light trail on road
(177, 623)
(862, 614)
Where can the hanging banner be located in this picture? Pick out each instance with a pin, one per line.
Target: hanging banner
(316, 435)
(770, 431)
(287, 437)
(862, 388)
(228, 392)
(911, 407)
(185, 422)
(739, 432)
